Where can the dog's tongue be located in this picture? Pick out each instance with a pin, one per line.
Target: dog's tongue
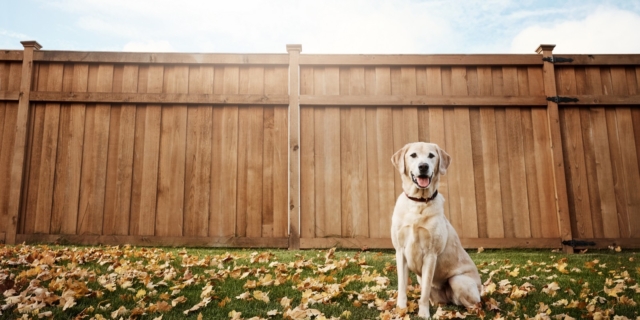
(423, 182)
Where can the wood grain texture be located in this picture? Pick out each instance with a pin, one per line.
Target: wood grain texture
(94, 168)
(132, 146)
(146, 156)
(198, 156)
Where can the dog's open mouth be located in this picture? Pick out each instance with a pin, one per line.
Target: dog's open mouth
(422, 181)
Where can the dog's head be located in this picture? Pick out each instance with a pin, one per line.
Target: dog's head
(421, 164)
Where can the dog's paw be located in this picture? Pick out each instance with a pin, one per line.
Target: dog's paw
(402, 303)
(423, 312)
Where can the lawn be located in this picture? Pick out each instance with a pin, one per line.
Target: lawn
(105, 282)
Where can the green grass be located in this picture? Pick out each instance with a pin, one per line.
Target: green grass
(103, 279)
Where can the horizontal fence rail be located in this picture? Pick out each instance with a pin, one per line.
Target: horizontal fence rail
(293, 150)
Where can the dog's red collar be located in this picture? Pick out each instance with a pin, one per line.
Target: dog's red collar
(433, 196)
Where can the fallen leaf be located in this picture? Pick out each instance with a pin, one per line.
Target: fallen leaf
(551, 289)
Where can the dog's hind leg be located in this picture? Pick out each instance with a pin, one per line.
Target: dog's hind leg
(464, 290)
(440, 295)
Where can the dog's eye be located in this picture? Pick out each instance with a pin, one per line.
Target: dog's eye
(413, 155)
(431, 155)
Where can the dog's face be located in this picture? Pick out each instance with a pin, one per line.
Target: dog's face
(420, 165)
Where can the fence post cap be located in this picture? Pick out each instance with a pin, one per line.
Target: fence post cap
(294, 47)
(545, 47)
(31, 43)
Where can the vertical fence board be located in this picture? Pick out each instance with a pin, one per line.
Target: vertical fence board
(67, 191)
(307, 152)
(611, 224)
(146, 155)
(198, 155)
(280, 163)
(277, 84)
(529, 156)
(49, 147)
(120, 158)
(268, 200)
(478, 172)
(453, 196)
(94, 168)
(11, 82)
(517, 168)
(629, 223)
(505, 174)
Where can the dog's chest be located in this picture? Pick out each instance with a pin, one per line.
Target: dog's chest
(418, 229)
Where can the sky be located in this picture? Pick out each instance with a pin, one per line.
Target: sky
(324, 26)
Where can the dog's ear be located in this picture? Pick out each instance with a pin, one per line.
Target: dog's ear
(398, 158)
(445, 160)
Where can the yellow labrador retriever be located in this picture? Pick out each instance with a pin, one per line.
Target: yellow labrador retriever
(424, 240)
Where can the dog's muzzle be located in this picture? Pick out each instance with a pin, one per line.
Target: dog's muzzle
(423, 181)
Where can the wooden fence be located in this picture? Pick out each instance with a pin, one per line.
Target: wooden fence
(293, 150)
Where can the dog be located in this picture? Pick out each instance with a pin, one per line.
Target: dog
(424, 240)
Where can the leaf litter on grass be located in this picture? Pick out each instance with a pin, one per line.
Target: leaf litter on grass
(125, 282)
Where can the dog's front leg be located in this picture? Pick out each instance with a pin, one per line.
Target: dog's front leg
(428, 269)
(403, 277)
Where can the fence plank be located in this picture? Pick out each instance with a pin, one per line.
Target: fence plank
(611, 223)
(160, 58)
(590, 222)
(64, 215)
(410, 60)
(464, 158)
(492, 174)
(589, 155)
(453, 195)
(171, 166)
(34, 158)
(634, 219)
(281, 167)
(517, 170)
(94, 168)
(307, 152)
(353, 171)
(529, 155)
(44, 197)
(478, 172)
(34, 154)
(256, 157)
(274, 197)
(578, 183)
(629, 223)
(604, 173)
(9, 111)
(277, 85)
(505, 173)
(268, 183)
(146, 156)
(198, 156)
(120, 157)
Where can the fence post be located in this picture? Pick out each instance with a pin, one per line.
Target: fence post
(19, 147)
(294, 145)
(553, 121)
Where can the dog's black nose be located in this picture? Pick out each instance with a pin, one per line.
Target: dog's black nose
(423, 167)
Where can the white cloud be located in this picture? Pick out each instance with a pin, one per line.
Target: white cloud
(14, 35)
(328, 26)
(607, 30)
(352, 26)
(148, 46)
